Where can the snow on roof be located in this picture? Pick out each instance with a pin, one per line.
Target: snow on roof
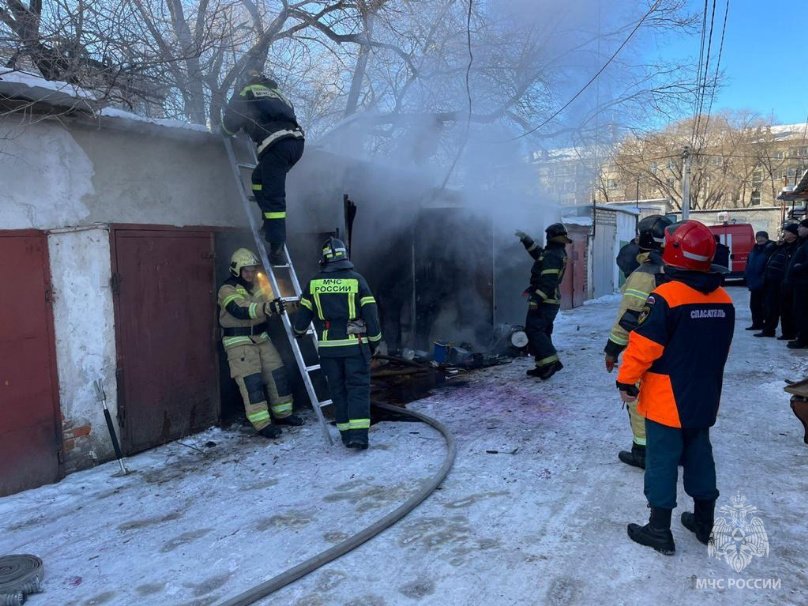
(31, 87)
(23, 85)
(113, 112)
(576, 220)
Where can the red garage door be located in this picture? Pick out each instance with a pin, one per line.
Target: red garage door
(573, 286)
(165, 318)
(30, 432)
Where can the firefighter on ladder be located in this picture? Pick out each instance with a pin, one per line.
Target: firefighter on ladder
(269, 119)
(345, 316)
(254, 362)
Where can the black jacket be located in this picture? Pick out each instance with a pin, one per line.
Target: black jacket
(797, 272)
(262, 111)
(779, 262)
(333, 298)
(546, 273)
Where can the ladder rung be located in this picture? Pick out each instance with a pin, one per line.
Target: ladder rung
(324, 403)
(312, 368)
(280, 266)
(247, 165)
(290, 299)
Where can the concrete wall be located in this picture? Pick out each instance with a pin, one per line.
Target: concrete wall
(72, 178)
(74, 173)
(85, 341)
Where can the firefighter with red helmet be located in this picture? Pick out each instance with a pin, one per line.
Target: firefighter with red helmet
(544, 297)
(647, 276)
(254, 362)
(346, 319)
(677, 355)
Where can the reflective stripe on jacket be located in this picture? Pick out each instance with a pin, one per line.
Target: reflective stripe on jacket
(547, 273)
(635, 291)
(331, 300)
(240, 307)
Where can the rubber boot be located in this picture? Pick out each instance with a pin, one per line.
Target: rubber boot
(635, 458)
(270, 431)
(701, 520)
(657, 533)
(292, 420)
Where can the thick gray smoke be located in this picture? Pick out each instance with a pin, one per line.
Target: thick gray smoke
(440, 191)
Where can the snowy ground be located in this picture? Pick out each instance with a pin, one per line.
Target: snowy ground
(542, 524)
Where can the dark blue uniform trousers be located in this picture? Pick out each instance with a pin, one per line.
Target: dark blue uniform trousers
(349, 385)
(665, 447)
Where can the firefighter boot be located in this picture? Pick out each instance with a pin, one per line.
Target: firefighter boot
(701, 520)
(549, 370)
(545, 371)
(357, 438)
(635, 458)
(657, 533)
(291, 420)
(270, 431)
(276, 254)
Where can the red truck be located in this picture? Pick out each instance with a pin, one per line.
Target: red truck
(740, 238)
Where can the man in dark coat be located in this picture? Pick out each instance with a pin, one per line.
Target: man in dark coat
(777, 299)
(797, 279)
(755, 275)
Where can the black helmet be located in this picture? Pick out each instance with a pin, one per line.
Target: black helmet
(557, 233)
(652, 232)
(335, 255)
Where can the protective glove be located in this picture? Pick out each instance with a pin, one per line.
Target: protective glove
(628, 393)
(610, 362)
(274, 308)
(521, 235)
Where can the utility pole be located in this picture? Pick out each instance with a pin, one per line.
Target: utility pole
(686, 183)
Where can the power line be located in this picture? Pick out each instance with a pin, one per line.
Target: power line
(599, 72)
(717, 66)
(703, 83)
(468, 94)
(698, 73)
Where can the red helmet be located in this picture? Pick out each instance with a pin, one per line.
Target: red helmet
(689, 245)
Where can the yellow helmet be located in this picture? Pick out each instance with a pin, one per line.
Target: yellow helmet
(242, 258)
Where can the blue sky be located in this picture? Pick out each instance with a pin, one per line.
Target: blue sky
(764, 58)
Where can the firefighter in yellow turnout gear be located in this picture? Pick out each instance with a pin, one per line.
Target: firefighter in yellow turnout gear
(254, 362)
(344, 312)
(638, 286)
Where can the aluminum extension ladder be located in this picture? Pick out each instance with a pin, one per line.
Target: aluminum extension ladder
(242, 180)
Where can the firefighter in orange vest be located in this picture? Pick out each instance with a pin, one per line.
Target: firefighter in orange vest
(677, 355)
(254, 362)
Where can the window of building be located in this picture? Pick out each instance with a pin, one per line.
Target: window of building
(755, 198)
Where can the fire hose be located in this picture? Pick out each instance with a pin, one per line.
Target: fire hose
(427, 488)
(19, 576)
